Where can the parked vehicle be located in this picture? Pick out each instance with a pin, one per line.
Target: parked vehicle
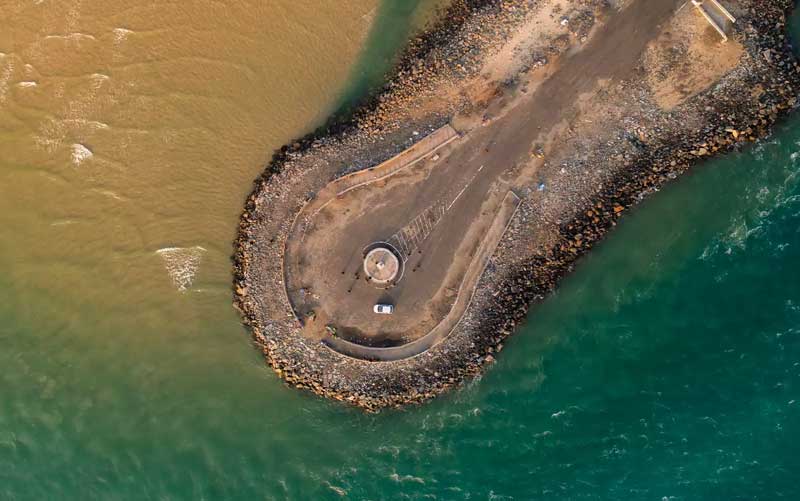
(383, 309)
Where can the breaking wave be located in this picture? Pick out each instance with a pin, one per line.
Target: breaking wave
(182, 264)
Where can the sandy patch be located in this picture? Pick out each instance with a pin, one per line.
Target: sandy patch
(687, 58)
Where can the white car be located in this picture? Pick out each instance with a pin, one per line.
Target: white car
(383, 309)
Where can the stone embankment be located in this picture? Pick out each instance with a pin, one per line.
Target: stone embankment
(592, 178)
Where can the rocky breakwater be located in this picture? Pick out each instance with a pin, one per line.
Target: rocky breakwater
(438, 77)
(740, 109)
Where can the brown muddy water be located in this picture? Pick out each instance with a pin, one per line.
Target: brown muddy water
(130, 134)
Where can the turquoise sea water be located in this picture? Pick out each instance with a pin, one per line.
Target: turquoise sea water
(390, 29)
(666, 367)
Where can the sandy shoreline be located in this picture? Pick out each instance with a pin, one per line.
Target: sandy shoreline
(474, 69)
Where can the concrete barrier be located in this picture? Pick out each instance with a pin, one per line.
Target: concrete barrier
(419, 150)
(709, 13)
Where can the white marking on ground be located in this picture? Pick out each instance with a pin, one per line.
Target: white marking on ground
(413, 234)
(403, 243)
(465, 187)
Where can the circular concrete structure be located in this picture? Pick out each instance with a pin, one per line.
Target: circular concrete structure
(381, 266)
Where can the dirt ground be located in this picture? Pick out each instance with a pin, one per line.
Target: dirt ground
(500, 150)
(688, 57)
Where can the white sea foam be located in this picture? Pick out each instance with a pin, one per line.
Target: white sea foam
(98, 79)
(72, 37)
(754, 218)
(5, 77)
(120, 34)
(110, 194)
(182, 264)
(86, 124)
(80, 153)
(72, 123)
(63, 222)
(51, 135)
(406, 478)
(336, 489)
(73, 15)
